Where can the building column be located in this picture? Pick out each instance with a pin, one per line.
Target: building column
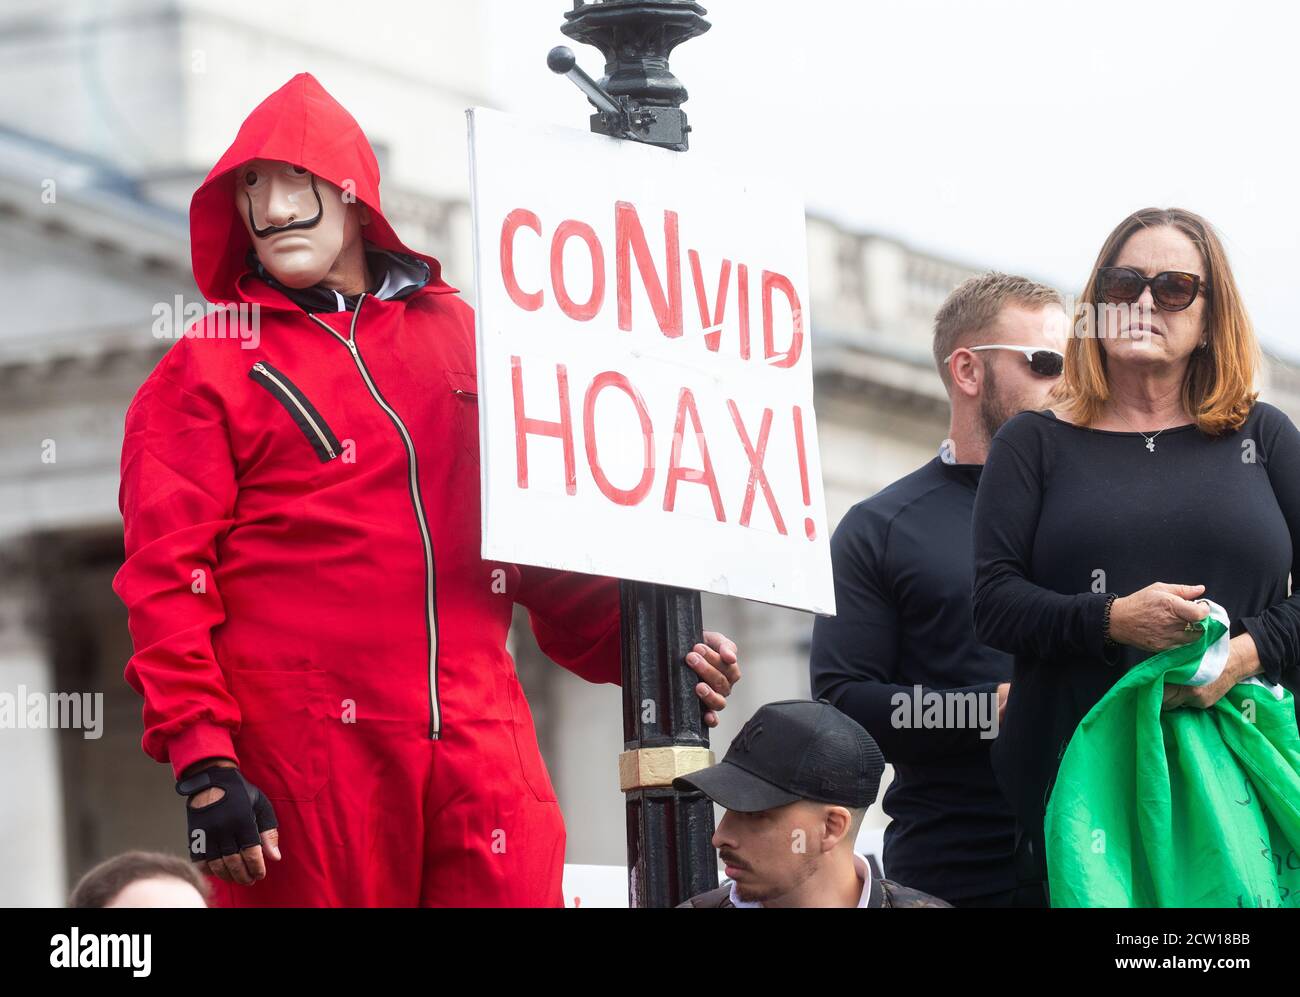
(32, 859)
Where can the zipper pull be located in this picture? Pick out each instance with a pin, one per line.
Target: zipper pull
(353, 347)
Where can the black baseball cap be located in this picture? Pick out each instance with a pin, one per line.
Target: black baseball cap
(793, 750)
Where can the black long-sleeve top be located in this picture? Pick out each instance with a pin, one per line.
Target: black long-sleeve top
(902, 567)
(1066, 514)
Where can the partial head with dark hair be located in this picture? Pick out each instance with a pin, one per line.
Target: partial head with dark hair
(141, 879)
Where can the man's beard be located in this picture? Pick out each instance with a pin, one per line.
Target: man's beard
(994, 408)
(752, 895)
(774, 891)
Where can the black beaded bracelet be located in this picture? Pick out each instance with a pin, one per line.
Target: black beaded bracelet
(1105, 620)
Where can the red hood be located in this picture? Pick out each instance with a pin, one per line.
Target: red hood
(301, 124)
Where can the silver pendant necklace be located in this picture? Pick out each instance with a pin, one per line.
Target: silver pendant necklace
(1151, 440)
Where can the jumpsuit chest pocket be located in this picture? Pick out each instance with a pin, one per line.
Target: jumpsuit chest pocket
(300, 409)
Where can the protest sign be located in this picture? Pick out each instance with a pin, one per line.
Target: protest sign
(644, 367)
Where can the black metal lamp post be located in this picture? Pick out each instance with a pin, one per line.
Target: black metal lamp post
(670, 856)
(636, 38)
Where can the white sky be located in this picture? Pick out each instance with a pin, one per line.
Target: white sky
(1004, 134)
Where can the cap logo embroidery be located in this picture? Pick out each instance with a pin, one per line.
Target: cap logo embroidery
(745, 739)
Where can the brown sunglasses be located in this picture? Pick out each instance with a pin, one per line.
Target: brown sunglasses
(1172, 290)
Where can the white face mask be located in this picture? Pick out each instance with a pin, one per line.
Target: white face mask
(298, 223)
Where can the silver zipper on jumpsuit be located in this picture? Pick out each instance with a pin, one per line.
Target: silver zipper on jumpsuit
(431, 619)
(324, 440)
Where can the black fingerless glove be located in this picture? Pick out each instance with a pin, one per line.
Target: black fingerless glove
(232, 823)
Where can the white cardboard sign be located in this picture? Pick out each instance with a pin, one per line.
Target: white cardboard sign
(644, 374)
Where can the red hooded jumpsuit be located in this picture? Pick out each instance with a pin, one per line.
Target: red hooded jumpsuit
(303, 578)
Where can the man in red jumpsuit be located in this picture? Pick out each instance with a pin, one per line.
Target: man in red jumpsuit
(313, 624)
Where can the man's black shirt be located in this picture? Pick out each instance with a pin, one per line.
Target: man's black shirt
(903, 570)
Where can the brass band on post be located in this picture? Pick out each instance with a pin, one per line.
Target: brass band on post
(647, 768)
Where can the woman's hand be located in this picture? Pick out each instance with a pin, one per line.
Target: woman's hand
(1243, 662)
(1155, 618)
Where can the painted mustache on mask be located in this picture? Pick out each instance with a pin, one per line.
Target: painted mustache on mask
(262, 233)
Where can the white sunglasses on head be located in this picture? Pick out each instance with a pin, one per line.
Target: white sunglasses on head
(1048, 363)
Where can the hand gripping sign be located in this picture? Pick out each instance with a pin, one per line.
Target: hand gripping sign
(644, 372)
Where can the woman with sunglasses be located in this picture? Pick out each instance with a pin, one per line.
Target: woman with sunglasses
(1155, 479)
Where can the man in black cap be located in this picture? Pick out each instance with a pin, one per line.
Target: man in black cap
(796, 783)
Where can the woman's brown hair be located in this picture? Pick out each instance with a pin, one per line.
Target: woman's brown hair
(1218, 390)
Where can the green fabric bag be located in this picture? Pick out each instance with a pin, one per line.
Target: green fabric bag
(1184, 808)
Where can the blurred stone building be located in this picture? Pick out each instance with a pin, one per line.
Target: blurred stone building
(110, 115)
